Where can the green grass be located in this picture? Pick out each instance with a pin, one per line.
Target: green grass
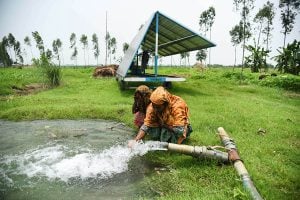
(215, 97)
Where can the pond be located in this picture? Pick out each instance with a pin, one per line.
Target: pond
(69, 159)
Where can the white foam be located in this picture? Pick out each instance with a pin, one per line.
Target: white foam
(54, 161)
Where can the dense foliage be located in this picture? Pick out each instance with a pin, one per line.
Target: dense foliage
(257, 59)
(288, 59)
(50, 71)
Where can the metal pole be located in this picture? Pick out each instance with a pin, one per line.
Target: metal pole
(156, 44)
(238, 164)
(106, 38)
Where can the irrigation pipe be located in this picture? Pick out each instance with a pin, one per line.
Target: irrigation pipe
(197, 151)
(238, 163)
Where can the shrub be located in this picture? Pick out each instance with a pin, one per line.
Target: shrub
(288, 82)
(50, 71)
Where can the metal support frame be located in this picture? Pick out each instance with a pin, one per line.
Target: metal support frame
(156, 44)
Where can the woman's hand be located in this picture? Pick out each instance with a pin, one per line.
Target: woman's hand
(131, 143)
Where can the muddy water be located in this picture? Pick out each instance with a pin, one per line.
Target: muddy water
(67, 159)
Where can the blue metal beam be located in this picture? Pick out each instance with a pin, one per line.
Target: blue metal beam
(156, 44)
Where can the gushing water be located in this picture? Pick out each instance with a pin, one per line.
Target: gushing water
(55, 161)
(67, 159)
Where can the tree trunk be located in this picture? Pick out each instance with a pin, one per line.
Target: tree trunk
(285, 30)
(209, 48)
(234, 58)
(84, 57)
(259, 33)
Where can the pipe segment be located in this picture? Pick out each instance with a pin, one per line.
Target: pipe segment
(197, 151)
(238, 164)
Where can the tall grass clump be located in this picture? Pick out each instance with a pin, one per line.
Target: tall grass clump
(50, 71)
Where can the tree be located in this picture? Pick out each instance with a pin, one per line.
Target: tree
(265, 18)
(11, 44)
(28, 43)
(96, 46)
(84, 41)
(73, 46)
(112, 47)
(125, 47)
(201, 55)
(18, 53)
(4, 56)
(39, 42)
(257, 59)
(236, 34)
(289, 9)
(288, 59)
(49, 54)
(59, 46)
(245, 6)
(183, 56)
(55, 47)
(74, 55)
(206, 22)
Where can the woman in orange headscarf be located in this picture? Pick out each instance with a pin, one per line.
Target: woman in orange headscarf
(166, 118)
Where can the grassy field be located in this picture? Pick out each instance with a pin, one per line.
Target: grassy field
(216, 98)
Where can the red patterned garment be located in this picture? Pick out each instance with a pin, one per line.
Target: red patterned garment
(139, 119)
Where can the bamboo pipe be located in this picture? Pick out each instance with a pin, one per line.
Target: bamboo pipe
(238, 163)
(196, 151)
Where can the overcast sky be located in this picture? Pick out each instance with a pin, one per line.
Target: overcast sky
(59, 18)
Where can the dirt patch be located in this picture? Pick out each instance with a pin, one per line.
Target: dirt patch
(29, 89)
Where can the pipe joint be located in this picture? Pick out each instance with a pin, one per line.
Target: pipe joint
(233, 155)
(229, 143)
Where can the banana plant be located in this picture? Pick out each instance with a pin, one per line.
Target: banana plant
(257, 59)
(288, 60)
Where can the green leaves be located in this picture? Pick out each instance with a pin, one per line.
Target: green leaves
(39, 42)
(257, 59)
(96, 46)
(289, 9)
(288, 59)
